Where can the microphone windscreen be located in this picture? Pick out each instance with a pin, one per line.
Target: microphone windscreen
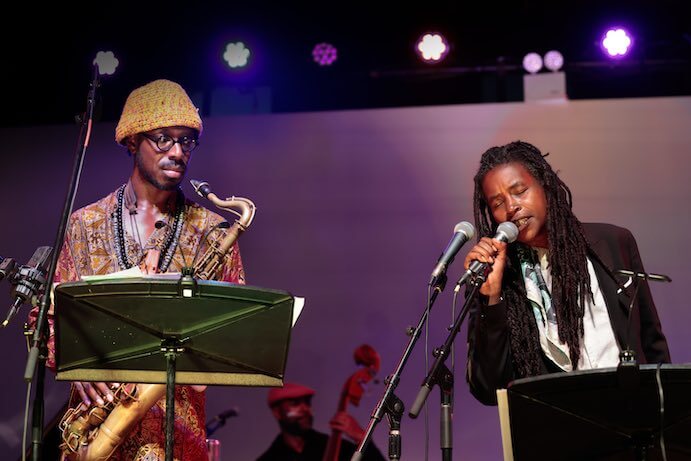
(509, 231)
(40, 257)
(466, 228)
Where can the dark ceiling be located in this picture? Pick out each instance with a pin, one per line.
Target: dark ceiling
(47, 82)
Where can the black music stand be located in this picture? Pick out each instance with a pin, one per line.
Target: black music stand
(598, 415)
(166, 331)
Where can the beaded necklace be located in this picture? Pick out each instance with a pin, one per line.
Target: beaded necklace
(172, 235)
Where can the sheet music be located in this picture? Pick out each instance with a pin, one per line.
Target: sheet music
(135, 272)
(132, 272)
(298, 304)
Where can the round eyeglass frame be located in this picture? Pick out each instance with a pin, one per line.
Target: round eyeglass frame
(165, 142)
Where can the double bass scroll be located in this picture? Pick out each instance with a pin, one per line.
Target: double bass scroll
(367, 358)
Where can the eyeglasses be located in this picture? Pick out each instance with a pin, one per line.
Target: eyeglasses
(164, 142)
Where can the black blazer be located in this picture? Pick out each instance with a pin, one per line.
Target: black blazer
(490, 364)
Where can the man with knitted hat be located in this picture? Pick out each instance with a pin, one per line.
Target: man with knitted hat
(148, 223)
(291, 405)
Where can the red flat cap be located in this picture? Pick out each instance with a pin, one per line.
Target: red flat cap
(288, 391)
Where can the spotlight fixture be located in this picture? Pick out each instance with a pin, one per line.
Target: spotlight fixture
(532, 63)
(106, 62)
(553, 60)
(236, 55)
(616, 42)
(432, 47)
(324, 54)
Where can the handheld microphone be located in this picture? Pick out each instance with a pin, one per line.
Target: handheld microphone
(506, 232)
(463, 232)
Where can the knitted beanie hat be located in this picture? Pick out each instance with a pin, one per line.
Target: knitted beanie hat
(158, 104)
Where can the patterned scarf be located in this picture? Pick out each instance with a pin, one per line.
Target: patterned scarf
(538, 294)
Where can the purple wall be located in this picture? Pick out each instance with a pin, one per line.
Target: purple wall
(354, 207)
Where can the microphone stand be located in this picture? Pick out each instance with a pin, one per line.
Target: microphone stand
(38, 352)
(390, 404)
(441, 375)
(628, 370)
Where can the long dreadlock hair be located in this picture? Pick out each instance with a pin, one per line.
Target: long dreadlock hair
(567, 258)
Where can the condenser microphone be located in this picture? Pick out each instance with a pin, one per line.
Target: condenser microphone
(29, 280)
(463, 232)
(507, 232)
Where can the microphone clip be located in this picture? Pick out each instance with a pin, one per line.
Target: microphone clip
(473, 278)
(187, 285)
(438, 283)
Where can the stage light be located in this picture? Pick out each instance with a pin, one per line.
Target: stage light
(553, 60)
(324, 54)
(616, 42)
(106, 62)
(532, 63)
(236, 55)
(432, 47)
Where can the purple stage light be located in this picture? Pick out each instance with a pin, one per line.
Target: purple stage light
(432, 47)
(532, 63)
(616, 43)
(324, 54)
(236, 55)
(554, 60)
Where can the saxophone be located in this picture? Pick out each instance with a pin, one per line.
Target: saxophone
(94, 433)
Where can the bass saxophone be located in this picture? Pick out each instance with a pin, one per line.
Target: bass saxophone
(94, 433)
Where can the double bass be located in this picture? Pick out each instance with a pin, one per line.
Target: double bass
(368, 361)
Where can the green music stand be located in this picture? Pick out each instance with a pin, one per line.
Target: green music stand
(172, 331)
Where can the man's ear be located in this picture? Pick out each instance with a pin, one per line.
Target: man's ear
(276, 411)
(132, 144)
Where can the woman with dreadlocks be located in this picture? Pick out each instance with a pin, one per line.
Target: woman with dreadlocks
(551, 301)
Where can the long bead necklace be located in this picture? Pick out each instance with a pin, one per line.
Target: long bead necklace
(172, 236)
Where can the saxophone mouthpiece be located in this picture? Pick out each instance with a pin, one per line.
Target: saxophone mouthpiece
(201, 188)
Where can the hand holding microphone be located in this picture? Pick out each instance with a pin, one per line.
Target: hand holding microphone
(489, 252)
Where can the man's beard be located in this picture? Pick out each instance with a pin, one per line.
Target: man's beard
(296, 426)
(149, 177)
